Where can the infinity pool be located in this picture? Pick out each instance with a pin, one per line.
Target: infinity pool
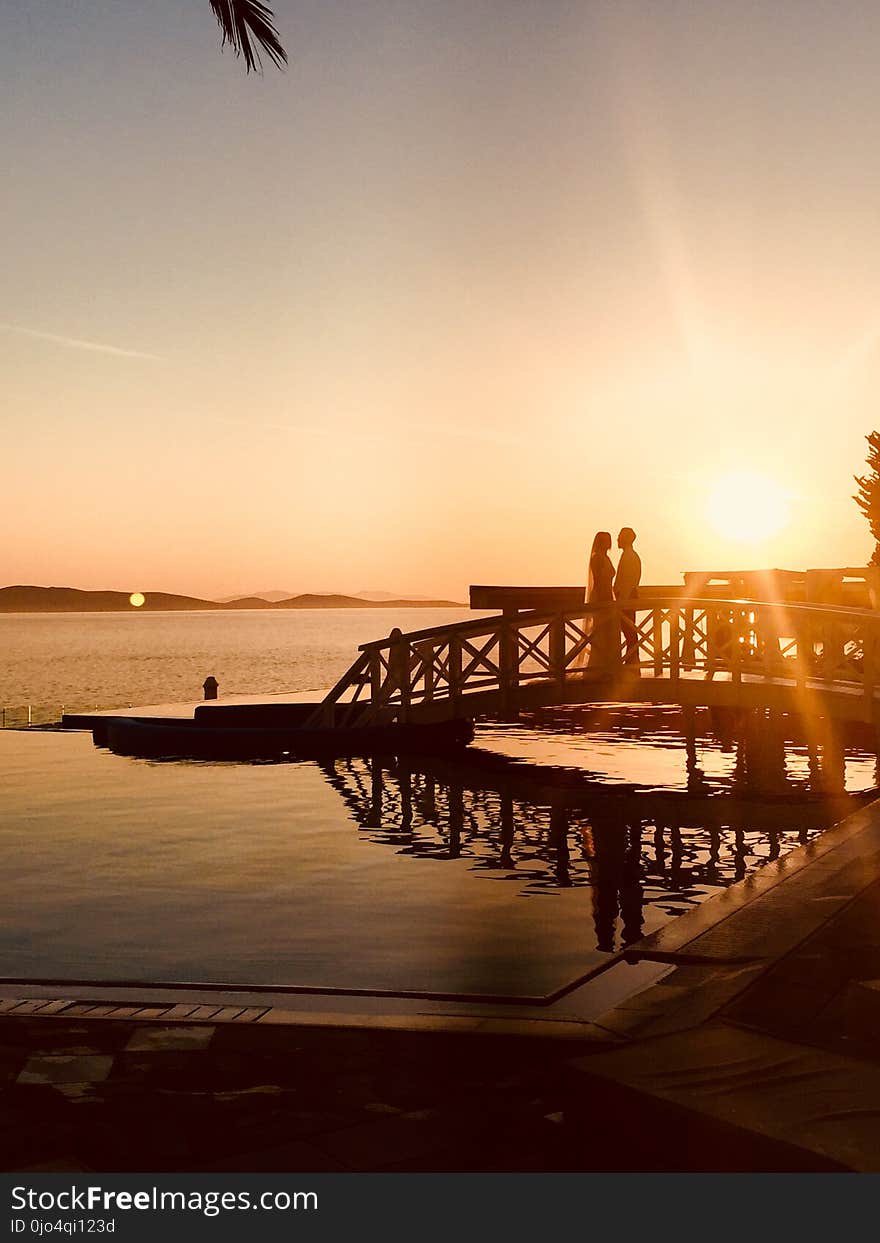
(367, 876)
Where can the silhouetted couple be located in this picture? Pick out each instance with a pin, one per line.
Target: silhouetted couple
(604, 586)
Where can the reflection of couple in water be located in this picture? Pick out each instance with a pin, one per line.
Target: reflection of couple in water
(604, 586)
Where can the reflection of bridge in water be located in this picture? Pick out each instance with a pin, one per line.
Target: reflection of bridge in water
(644, 853)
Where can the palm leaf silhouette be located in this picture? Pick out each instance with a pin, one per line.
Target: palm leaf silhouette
(248, 28)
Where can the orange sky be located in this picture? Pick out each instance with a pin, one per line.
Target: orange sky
(466, 284)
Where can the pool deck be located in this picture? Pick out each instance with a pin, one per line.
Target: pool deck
(84, 720)
(744, 1035)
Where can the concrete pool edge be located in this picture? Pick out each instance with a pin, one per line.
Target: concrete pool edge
(568, 1019)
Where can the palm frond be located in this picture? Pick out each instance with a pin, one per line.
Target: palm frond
(248, 27)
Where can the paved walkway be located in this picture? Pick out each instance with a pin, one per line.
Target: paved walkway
(126, 1096)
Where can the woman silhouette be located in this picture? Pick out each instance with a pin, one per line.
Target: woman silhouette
(600, 576)
(600, 590)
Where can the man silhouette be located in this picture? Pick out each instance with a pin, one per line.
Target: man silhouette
(626, 589)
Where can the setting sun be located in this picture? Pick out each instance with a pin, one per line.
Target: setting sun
(747, 507)
(136, 599)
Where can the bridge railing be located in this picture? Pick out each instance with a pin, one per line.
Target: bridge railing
(669, 638)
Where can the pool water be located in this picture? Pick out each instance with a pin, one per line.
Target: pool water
(364, 875)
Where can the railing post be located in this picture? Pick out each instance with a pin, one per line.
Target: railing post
(455, 673)
(557, 650)
(508, 645)
(375, 681)
(832, 648)
(736, 655)
(615, 628)
(712, 624)
(428, 666)
(399, 656)
(657, 627)
(768, 627)
(674, 639)
(688, 647)
(804, 640)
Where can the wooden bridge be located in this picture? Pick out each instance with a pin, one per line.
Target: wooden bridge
(810, 659)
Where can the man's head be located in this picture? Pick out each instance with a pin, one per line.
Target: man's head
(626, 538)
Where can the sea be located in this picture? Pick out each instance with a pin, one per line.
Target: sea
(112, 660)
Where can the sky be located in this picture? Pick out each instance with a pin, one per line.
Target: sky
(470, 281)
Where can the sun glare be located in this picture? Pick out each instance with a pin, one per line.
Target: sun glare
(747, 508)
(136, 599)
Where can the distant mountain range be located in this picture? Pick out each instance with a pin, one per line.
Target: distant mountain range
(22, 599)
(372, 597)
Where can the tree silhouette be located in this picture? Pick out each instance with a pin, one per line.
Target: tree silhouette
(248, 27)
(868, 496)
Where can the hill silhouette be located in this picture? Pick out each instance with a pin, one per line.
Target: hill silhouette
(31, 599)
(375, 597)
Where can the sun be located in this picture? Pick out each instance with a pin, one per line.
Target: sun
(137, 599)
(746, 507)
